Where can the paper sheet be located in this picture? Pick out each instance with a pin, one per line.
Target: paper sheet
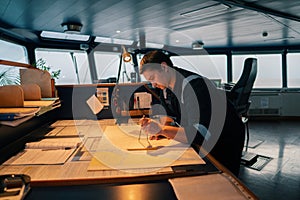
(20, 112)
(43, 157)
(16, 122)
(54, 143)
(214, 187)
(112, 151)
(38, 103)
(46, 152)
(94, 104)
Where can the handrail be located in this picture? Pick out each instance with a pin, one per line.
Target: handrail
(16, 64)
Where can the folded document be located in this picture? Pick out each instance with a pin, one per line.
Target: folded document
(46, 152)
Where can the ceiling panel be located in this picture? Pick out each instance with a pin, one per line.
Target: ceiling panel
(239, 25)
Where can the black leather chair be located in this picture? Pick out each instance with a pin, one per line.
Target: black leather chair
(240, 92)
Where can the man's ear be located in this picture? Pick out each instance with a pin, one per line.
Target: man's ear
(164, 66)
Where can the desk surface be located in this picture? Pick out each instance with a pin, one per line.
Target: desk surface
(73, 179)
(147, 191)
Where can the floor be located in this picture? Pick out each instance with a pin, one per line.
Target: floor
(280, 177)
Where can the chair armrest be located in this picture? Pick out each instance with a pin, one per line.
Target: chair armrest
(228, 86)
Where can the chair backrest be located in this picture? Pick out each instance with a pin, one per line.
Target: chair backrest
(241, 91)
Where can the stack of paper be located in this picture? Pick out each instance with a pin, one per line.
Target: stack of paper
(214, 186)
(16, 116)
(47, 151)
(45, 104)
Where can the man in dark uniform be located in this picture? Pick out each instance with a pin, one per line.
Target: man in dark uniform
(206, 119)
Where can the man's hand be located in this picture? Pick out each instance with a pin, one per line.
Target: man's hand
(150, 126)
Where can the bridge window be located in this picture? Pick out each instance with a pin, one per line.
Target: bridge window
(13, 52)
(293, 70)
(73, 65)
(211, 66)
(107, 65)
(269, 69)
(9, 75)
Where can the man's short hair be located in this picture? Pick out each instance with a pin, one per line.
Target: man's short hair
(154, 57)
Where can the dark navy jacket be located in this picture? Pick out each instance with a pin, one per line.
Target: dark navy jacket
(209, 120)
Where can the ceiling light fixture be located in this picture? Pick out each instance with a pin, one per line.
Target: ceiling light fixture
(197, 45)
(152, 45)
(71, 28)
(64, 36)
(113, 40)
(280, 39)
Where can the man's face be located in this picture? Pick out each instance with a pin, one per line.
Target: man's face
(158, 78)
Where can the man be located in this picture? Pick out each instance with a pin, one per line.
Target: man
(206, 119)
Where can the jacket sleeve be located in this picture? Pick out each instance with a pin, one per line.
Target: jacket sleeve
(196, 110)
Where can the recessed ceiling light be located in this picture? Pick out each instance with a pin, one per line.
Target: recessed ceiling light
(118, 31)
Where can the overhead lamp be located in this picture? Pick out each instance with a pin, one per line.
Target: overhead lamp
(126, 56)
(152, 45)
(71, 28)
(197, 45)
(103, 39)
(122, 41)
(113, 40)
(64, 36)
